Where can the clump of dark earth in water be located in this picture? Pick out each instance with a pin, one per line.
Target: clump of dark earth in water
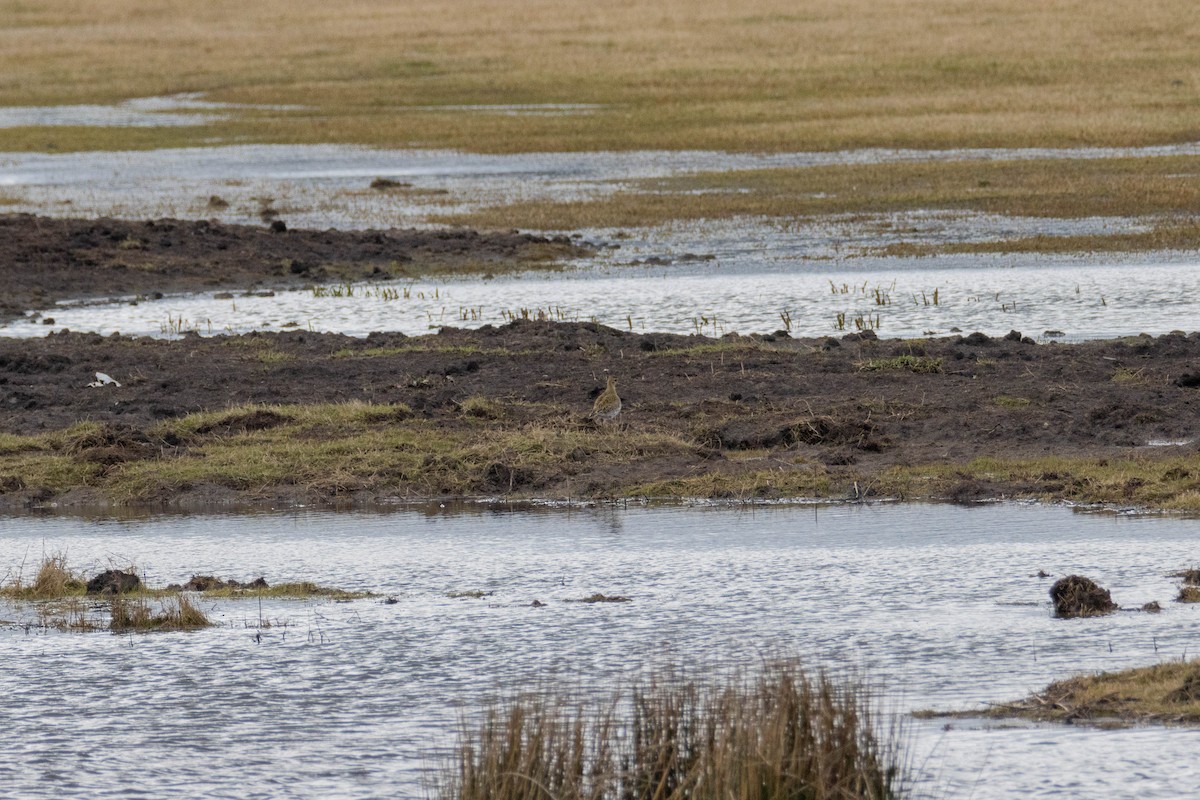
(1077, 596)
(209, 583)
(114, 581)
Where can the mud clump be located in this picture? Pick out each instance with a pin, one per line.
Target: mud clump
(114, 581)
(1077, 596)
(599, 597)
(210, 583)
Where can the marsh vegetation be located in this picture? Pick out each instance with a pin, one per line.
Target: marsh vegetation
(483, 413)
(785, 733)
(1163, 693)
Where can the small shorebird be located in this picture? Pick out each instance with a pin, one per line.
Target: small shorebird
(608, 404)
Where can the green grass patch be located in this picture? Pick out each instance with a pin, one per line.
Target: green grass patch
(710, 349)
(1008, 401)
(902, 363)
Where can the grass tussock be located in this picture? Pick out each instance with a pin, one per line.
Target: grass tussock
(176, 613)
(785, 734)
(1164, 693)
(53, 581)
(1188, 594)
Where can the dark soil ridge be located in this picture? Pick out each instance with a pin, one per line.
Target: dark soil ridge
(751, 413)
(44, 259)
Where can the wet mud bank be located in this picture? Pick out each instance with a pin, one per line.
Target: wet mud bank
(506, 411)
(44, 260)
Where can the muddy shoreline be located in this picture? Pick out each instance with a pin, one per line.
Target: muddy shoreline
(504, 411)
(741, 417)
(44, 260)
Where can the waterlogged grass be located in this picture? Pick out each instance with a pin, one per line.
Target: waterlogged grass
(293, 590)
(755, 76)
(1048, 188)
(1164, 693)
(135, 614)
(781, 734)
(1163, 235)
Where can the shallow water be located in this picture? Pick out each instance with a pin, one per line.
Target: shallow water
(318, 186)
(744, 275)
(179, 110)
(739, 292)
(936, 603)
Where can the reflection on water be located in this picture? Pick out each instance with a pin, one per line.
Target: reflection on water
(318, 186)
(937, 603)
(817, 275)
(177, 110)
(739, 292)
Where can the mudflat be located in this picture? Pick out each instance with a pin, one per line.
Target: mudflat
(505, 411)
(43, 259)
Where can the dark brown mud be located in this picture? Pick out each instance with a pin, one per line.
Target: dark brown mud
(43, 260)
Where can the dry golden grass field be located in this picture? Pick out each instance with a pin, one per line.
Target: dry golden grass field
(759, 75)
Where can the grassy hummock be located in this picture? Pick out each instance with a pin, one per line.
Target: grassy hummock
(1163, 693)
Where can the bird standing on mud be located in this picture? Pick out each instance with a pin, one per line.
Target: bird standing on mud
(608, 404)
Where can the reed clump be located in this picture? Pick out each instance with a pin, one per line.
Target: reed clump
(784, 734)
(54, 580)
(175, 614)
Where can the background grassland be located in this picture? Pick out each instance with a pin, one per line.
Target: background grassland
(757, 75)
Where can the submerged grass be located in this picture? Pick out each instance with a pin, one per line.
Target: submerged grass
(783, 734)
(176, 613)
(1166, 483)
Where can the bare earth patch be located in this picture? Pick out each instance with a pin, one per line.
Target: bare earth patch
(338, 419)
